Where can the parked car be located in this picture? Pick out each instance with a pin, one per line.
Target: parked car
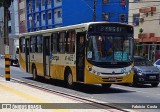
(145, 72)
(157, 64)
(2, 56)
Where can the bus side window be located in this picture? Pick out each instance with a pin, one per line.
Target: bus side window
(61, 42)
(54, 42)
(71, 42)
(33, 44)
(66, 42)
(39, 44)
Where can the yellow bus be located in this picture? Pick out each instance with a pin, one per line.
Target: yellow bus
(89, 53)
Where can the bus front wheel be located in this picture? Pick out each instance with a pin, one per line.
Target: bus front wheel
(69, 80)
(105, 86)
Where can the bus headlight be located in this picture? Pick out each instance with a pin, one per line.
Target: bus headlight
(89, 68)
(140, 74)
(98, 73)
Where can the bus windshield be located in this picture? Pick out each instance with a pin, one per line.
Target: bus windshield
(109, 48)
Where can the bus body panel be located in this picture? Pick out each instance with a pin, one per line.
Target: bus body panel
(22, 61)
(95, 77)
(60, 61)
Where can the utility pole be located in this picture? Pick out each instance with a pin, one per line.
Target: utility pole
(6, 42)
(94, 10)
(1, 29)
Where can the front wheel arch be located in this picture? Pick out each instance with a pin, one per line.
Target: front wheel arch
(68, 77)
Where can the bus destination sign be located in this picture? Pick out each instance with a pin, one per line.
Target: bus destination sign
(110, 28)
(115, 29)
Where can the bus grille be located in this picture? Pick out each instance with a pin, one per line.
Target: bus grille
(115, 79)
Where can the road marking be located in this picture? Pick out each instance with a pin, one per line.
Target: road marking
(27, 96)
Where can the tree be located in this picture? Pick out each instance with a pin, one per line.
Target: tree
(6, 4)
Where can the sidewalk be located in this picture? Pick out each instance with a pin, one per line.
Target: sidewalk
(12, 92)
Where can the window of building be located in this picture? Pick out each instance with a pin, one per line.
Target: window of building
(39, 44)
(9, 29)
(61, 46)
(123, 18)
(37, 17)
(44, 16)
(49, 15)
(48, 2)
(30, 3)
(54, 38)
(59, 14)
(136, 19)
(58, 0)
(105, 16)
(105, 1)
(43, 2)
(37, 3)
(33, 44)
(136, 0)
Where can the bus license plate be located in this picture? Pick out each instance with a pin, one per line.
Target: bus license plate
(112, 79)
(152, 77)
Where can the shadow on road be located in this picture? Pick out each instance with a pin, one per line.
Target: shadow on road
(89, 89)
(141, 86)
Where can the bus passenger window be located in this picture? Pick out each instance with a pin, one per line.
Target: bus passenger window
(61, 42)
(39, 44)
(54, 43)
(71, 42)
(66, 43)
(33, 44)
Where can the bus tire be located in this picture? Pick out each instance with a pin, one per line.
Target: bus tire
(155, 84)
(34, 73)
(69, 79)
(106, 86)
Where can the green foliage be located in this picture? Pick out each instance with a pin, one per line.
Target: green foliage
(140, 30)
(0, 3)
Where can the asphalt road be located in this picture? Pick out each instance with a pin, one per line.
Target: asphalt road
(116, 94)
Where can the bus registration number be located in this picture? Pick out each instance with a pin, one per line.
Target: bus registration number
(112, 79)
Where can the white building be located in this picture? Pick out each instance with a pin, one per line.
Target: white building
(13, 27)
(145, 16)
(13, 23)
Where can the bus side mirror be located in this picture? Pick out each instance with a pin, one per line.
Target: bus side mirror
(17, 51)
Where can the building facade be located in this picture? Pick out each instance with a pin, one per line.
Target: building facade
(144, 15)
(44, 14)
(22, 16)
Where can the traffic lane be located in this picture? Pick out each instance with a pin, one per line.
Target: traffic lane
(117, 93)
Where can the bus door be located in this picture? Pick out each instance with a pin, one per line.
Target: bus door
(27, 44)
(46, 56)
(80, 56)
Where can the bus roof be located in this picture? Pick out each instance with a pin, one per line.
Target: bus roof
(77, 26)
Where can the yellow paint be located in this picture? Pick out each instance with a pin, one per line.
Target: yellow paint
(7, 56)
(7, 68)
(27, 96)
(22, 62)
(57, 72)
(94, 79)
(7, 62)
(7, 75)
